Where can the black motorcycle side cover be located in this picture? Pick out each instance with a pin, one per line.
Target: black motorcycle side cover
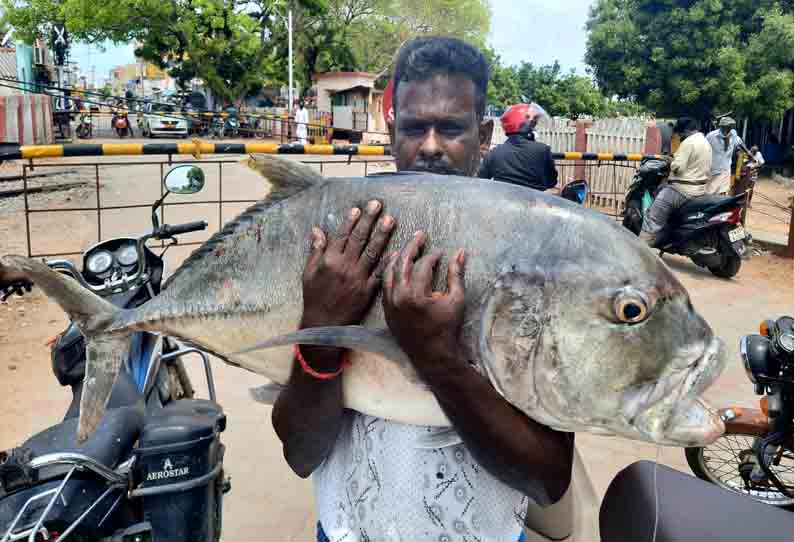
(690, 510)
(180, 447)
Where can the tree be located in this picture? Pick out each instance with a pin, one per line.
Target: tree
(227, 43)
(697, 57)
(377, 39)
(504, 88)
(564, 95)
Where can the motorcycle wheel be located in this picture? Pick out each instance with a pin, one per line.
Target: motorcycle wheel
(731, 263)
(719, 463)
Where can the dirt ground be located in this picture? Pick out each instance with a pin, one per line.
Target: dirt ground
(770, 207)
(266, 497)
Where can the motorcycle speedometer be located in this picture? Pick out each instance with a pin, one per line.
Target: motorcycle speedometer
(99, 262)
(127, 255)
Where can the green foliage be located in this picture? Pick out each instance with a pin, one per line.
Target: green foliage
(236, 46)
(697, 57)
(378, 39)
(227, 43)
(564, 95)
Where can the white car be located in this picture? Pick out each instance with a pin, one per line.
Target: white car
(157, 122)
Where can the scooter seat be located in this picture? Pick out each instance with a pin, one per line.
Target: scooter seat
(689, 510)
(700, 203)
(118, 430)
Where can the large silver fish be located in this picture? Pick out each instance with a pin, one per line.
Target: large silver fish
(571, 318)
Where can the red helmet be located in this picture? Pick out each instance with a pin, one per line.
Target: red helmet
(513, 118)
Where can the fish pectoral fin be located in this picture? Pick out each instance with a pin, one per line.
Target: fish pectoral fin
(360, 338)
(440, 439)
(266, 394)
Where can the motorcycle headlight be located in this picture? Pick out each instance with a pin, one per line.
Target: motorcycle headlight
(128, 255)
(99, 262)
(755, 350)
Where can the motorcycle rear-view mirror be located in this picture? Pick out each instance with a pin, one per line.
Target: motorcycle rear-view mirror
(184, 180)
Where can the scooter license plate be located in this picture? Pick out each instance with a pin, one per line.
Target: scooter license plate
(737, 234)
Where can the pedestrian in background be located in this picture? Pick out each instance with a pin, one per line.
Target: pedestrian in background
(302, 122)
(724, 141)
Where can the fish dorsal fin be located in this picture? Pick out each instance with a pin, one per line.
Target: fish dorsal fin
(287, 177)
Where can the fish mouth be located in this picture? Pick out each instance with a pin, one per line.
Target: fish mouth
(674, 412)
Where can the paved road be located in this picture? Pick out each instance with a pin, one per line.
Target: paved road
(266, 497)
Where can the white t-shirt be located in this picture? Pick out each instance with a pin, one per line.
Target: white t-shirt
(720, 156)
(376, 486)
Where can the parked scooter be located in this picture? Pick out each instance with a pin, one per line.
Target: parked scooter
(576, 191)
(756, 455)
(707, 229)
(231, 126)
(217, 127)
(121, 124)
(85, 127)
(153, 470)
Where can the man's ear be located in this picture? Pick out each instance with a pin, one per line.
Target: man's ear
(486, 133)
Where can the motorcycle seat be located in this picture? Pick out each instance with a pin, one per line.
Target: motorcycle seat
(118, 430)
(689, 510)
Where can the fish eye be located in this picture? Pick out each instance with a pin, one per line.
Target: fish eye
(631, 308)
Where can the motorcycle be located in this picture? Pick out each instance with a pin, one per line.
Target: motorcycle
(231, 127)
(121, 124)
(756, 455)
(85, 127)
(153, 470)
(218, 127)
(707, 229)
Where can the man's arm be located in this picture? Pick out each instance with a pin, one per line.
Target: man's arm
(550, 175)
(681, 158)
(520, 452)
(339, 284)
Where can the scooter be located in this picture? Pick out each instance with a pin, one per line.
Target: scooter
(121, 124)
(85, 127)
(707, 229)
(218, 127)
(153, 470)
(576, 191)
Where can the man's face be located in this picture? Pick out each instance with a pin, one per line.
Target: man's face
(436, 126)
(726, 130)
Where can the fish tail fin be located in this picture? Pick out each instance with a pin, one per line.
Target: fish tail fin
(287, 177)
(105, 350)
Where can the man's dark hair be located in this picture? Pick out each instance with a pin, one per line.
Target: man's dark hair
(686, 124)
(423, 58)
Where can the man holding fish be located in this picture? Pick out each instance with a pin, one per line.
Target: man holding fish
(571, 323)
(371, 479)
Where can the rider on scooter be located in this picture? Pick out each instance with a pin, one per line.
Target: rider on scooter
(521, 160)
(689, 174)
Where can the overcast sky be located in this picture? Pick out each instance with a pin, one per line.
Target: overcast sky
(537, 31)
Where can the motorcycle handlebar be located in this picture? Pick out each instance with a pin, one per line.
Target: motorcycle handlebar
(169, 231)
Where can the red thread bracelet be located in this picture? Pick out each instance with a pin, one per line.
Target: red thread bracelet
(321, 376)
